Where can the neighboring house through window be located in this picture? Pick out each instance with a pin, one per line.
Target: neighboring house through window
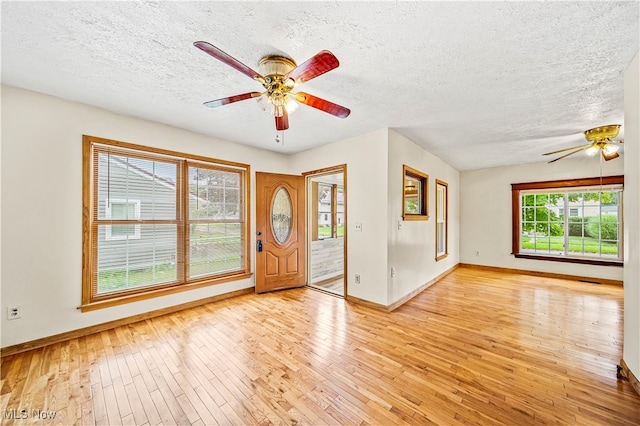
(122, 210)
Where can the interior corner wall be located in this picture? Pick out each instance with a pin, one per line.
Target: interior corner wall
(41, 177)
(412, 244)
(366, 183)
(485, 214)
(631, 351)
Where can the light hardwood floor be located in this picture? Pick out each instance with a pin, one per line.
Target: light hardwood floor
(335, 286)
(478, 347)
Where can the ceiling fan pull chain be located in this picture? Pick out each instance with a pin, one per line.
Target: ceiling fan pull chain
(601, 176)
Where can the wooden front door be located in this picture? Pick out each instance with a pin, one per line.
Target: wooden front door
(280, 232)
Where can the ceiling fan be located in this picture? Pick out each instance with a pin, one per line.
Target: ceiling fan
(279, 75)
(600, 140)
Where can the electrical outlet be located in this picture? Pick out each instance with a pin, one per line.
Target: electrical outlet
(399, 224)
(14, 312)
(357, 279)
(358, 227)
(393, 272)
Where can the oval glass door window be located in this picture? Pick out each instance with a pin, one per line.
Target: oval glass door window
(281, 215)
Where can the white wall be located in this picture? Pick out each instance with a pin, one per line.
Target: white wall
(631, 353)
(374, 199)
(42, 204)
(411, 250)
(485, 213)
(366, 183)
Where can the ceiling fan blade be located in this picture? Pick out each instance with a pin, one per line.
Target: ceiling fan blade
(227, 59)
(610, 156)
(319, 64)
(322, 105)
(231, 99)
(282, 122)
(566, 149)
(566, 155)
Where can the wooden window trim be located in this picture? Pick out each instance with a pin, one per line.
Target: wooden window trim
(91, 301)
(334, 211)
(446, 220)
(556, 184)
(314, 210)
(423, 178)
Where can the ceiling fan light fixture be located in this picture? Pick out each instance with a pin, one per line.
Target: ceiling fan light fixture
(592, 150)
(275, 106)
(291, 106)
(608, 157)
(278, 110)
(264, 102)
(610, 149)
(410, 186)
(290, 83)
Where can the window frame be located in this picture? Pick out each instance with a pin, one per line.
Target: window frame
(442, 216)
(560, 186)
(91, 300)
(422, 193)
(327, 216)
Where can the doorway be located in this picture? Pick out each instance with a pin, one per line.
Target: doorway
(326, 229)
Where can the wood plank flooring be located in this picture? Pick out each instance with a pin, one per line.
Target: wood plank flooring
(335, 286)
(478, 347)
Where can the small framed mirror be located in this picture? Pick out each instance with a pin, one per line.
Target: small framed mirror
(415, 186)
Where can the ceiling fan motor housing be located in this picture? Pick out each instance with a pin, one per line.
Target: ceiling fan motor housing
(274, 68)
(602, 133)
(275, 65)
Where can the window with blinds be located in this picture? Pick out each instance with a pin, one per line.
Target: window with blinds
(159, 221)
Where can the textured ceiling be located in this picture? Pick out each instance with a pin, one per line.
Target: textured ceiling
(478, 84)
